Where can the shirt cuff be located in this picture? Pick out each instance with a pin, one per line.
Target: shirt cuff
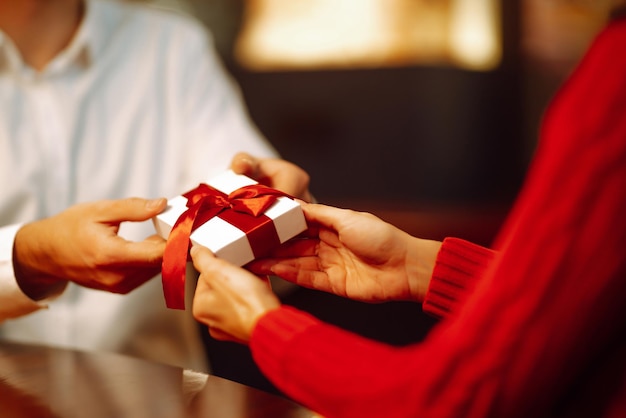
(13, 302)
(459, 265)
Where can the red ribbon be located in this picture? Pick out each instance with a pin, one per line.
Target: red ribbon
(244, 208)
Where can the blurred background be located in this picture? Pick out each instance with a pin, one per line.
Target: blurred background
(423, 112)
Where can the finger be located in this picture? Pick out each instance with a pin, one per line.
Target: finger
(326, 216)
(296, 266)
(296, 248)
(321, 214)
(246, 164)
(133, 209)
(254, 168)
(218, 272)
(156, 238)
(221, 335)
(303, 273)
(286, 176)
(121, 278)
(284, 181)
(296, 270)
(146, 253)
(134, 279)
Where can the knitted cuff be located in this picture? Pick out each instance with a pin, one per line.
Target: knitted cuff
(272, 335)
(458, 267)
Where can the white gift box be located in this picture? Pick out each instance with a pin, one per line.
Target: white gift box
(223, 239)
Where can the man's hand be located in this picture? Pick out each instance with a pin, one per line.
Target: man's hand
(275, 173)
(82, 245)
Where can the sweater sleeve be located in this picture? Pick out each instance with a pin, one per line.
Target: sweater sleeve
(336, 374)
(458, 266)
(542, 332)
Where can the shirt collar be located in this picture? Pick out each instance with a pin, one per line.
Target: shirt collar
(9, 57)
(81, 51)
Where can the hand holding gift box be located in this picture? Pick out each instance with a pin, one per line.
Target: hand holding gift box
(238, 219)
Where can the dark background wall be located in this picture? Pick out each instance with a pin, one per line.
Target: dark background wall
(407, 134)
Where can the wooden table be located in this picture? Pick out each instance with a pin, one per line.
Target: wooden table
(44, 382)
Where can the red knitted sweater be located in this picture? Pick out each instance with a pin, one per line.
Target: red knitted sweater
(538, 330)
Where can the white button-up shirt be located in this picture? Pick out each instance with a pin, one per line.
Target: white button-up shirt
(136, 105)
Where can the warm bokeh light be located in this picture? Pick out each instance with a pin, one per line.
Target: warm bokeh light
(557, 33)
(298, 34)
(475, 39)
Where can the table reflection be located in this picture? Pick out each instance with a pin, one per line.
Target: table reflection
(42, 382)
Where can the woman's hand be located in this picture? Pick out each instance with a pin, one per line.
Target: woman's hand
(229, 299)
(355, 255)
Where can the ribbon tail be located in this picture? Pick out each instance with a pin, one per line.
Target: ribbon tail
(175, 259)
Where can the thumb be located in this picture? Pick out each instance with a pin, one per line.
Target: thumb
(203, 259)
(131, 209)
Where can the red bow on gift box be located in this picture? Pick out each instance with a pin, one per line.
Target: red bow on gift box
(244, 208)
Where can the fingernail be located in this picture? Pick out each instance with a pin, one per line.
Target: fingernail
(247, 161)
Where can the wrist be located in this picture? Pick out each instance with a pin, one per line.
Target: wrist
(421, 260)
(32, 280)
(257, 319)
(270, 304)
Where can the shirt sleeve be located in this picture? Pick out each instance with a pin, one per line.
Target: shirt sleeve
(458, 266)
(217, 123)
(13, 302)
(542, 332)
